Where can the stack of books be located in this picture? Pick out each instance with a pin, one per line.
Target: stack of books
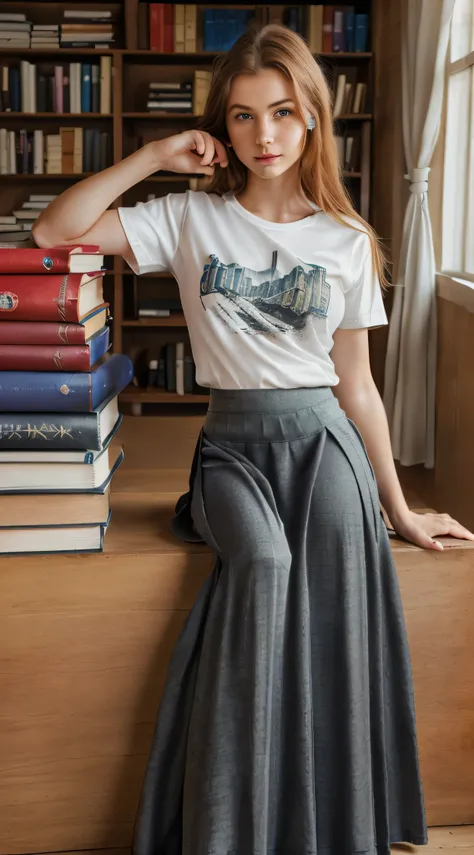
(15, 30)
(59, 392)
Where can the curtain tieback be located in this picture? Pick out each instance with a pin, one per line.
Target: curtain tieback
(418, 180)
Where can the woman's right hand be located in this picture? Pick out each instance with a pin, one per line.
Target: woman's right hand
(191, 151)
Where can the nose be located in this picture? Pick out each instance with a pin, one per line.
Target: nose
(264, 133)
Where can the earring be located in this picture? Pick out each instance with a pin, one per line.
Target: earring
(310, 123)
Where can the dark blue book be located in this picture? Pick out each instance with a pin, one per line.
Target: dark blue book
(63, 391)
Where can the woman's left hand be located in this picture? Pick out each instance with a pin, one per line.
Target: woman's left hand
(420, 529)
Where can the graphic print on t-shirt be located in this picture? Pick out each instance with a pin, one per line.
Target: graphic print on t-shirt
(262, 301)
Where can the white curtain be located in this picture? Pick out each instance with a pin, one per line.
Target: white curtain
(410, 369)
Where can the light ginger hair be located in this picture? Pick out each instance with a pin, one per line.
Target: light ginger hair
(276, 46)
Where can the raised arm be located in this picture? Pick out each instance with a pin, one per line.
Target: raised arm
(80, 215)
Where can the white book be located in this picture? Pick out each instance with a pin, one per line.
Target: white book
(38, 162)
(42, 197)
(61, 476)
(358, 97)
(340, 93)
(32, 95)
(12, 16)
(49, 27)
(87, 37)
(6, 219)
(25, 85)
(3, 152)
(12, 153)
(45, 539)
(180, 367)
(76, 13)
(35, 206)
(15, 26)
(105, 84)
(20, 214)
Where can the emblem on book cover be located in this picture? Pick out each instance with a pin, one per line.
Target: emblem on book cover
(265, 301)
(8, 301)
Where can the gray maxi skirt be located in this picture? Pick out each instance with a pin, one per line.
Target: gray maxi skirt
(287, 723)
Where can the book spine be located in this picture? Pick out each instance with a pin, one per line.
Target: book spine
(38, 333)
(43, 357)
(49, 391)
(49, 357)
(54, 260)
(51, 298)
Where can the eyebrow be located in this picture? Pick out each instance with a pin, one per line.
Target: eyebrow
(275, 104)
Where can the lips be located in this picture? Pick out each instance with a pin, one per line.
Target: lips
(268, 157)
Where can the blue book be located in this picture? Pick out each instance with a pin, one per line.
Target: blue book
(209, 30)
(63, 391)
(361, 32)
(86, 87)
(349, 31)
(15, 89)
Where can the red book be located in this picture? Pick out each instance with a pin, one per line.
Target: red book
(50, 297)
(157, 26)
(52, 332)
(328, 26)
(168, 26)
(50, 357)
(58, 259)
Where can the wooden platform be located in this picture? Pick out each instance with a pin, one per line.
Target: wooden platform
(86, 640)
(449, 840)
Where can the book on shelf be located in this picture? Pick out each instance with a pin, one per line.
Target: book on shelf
(337, 29)
(73, 151)
(60, 431)
(54, 357)
(90, 30)
(73, 87)
(174, 371)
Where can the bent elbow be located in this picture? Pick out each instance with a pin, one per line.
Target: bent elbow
(41, 237)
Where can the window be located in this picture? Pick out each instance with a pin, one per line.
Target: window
(458, 183)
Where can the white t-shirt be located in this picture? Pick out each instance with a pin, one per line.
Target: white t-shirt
(261, 299)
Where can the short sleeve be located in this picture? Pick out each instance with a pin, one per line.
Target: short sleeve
(364, 305)
(153, 230)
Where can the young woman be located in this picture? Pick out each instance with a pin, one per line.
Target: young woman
(287, 723)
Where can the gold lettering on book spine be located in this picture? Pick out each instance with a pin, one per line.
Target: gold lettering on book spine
(60, 300)
(63, 333)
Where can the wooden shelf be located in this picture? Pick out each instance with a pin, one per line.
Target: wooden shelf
(149, 115)
(55, 52)
(175, 320)
(354, 117)
(43, 176)
(134, 395)
(58, 116)
(152, 54)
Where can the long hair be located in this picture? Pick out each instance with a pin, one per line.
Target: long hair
(276, 46)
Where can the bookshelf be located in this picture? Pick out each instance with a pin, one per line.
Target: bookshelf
(133, 66)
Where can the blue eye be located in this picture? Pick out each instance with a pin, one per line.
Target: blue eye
(282, 110)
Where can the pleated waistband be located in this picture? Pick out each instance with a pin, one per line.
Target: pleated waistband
(263, 415)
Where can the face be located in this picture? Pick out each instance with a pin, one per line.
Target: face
(262, 118)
